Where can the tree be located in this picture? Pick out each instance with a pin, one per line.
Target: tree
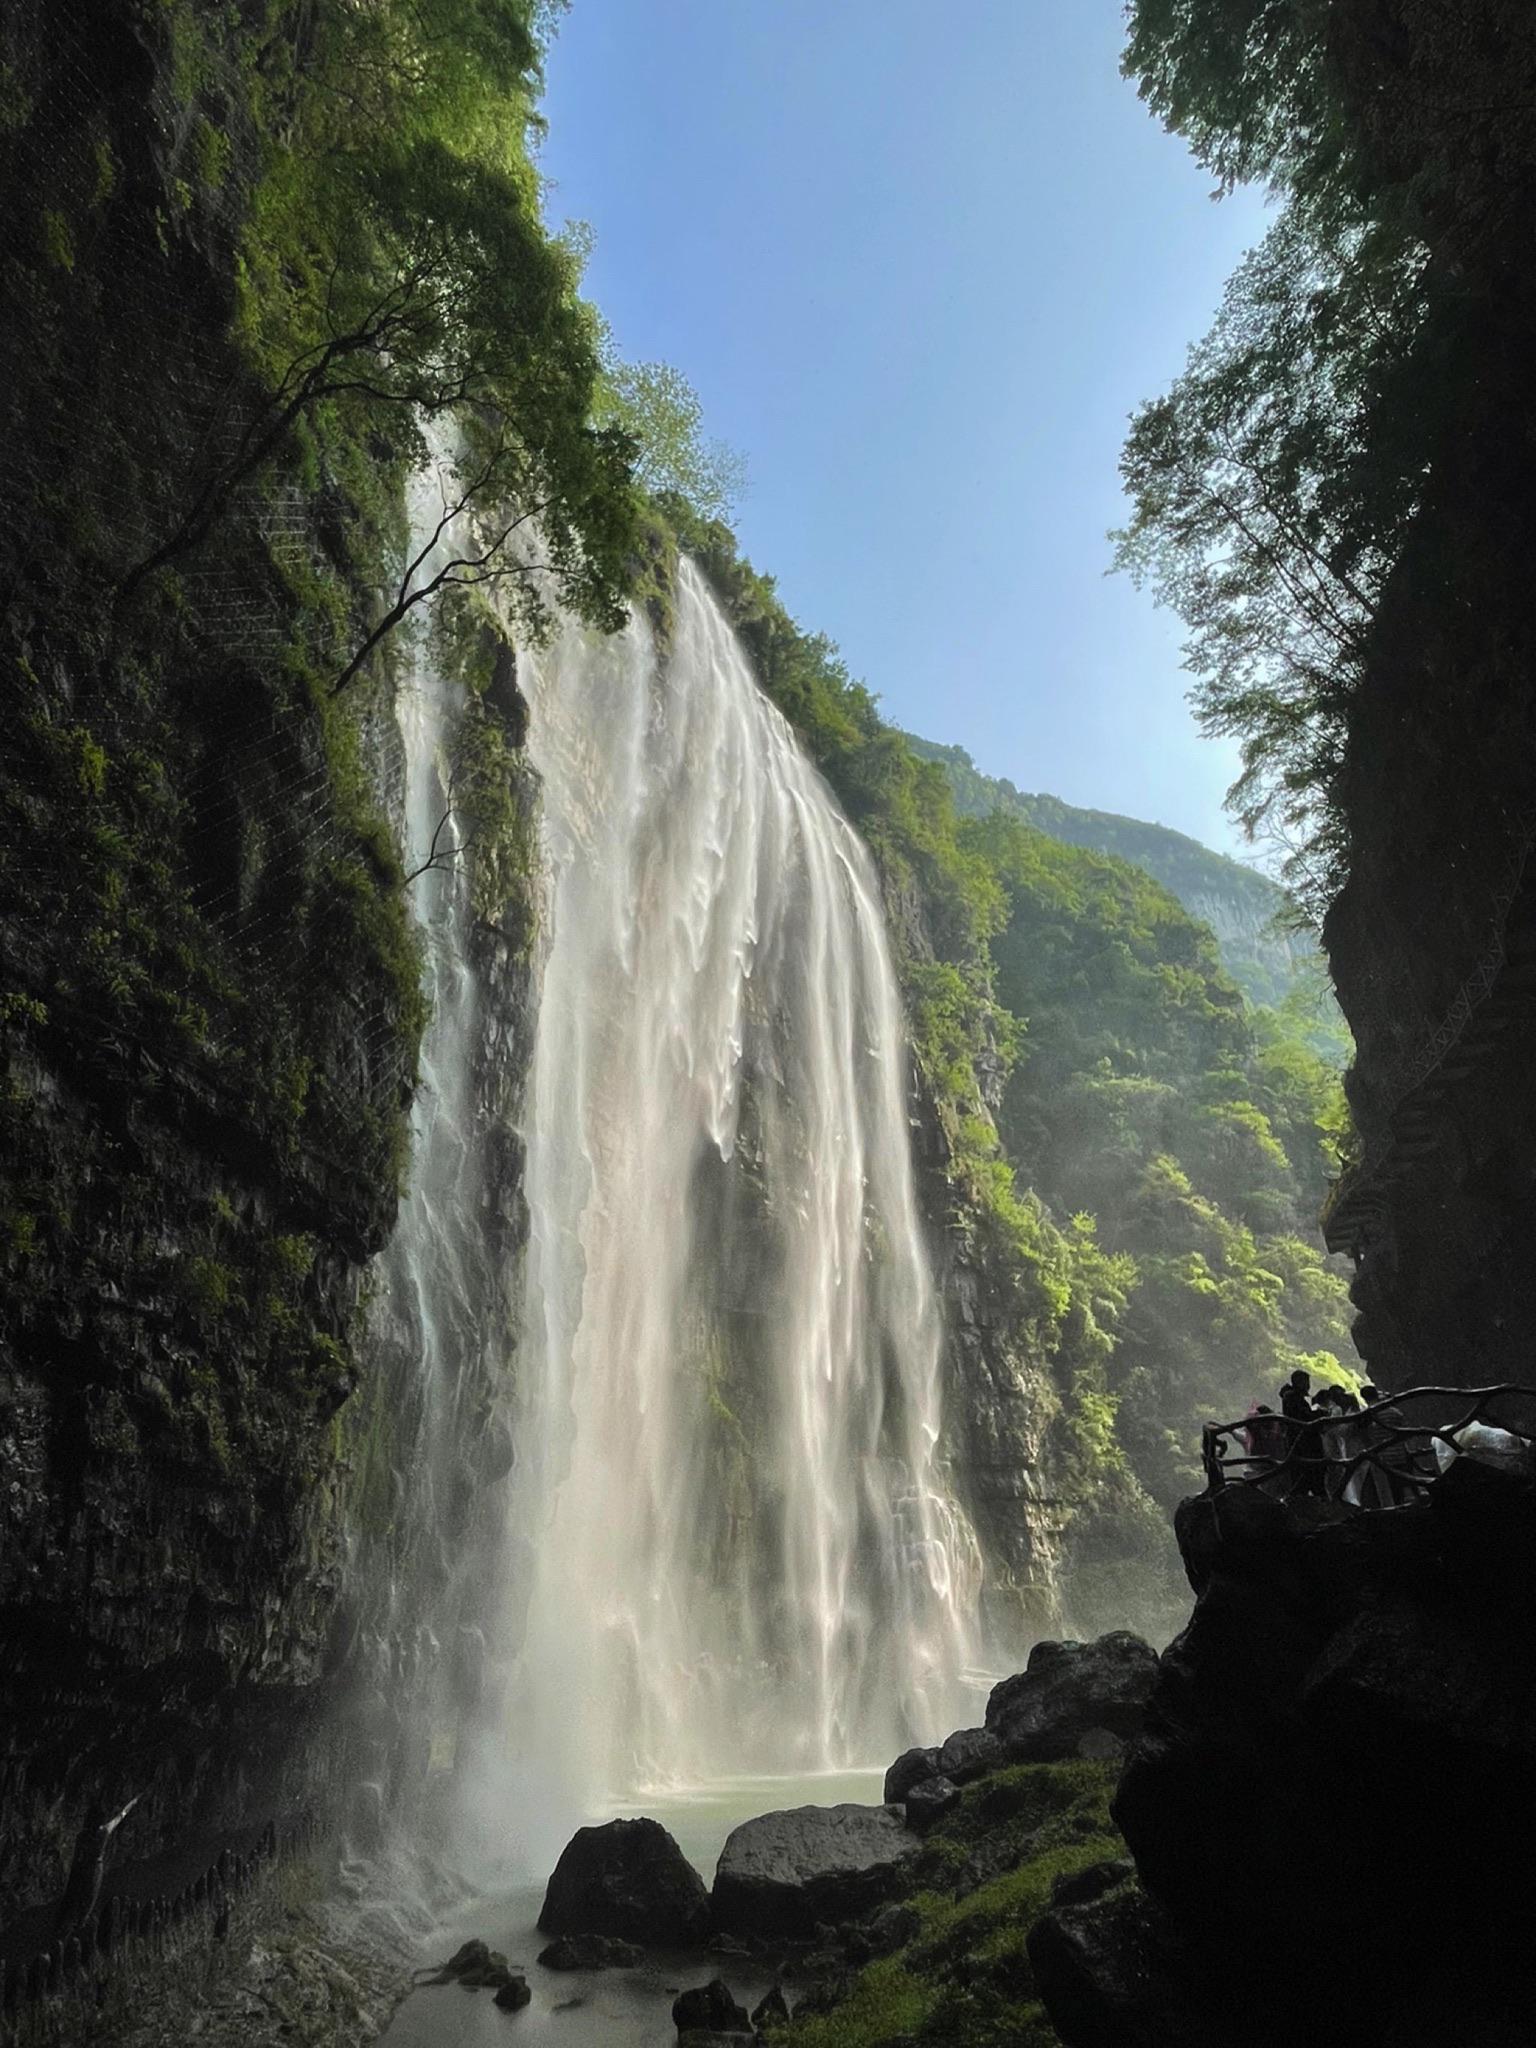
(395, 273)
(1247, 84)
(1272, 489)
(660, 410)
(1270, 492)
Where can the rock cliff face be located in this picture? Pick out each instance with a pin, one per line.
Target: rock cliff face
(212, 1530)
(1431, 941)
(1336, 1782)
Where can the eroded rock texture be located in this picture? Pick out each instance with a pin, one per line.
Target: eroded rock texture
(1339, 1762)
(209, 1023)
(1433, 939)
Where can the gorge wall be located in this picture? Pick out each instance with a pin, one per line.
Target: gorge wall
(1431, 940)
(217, 1447)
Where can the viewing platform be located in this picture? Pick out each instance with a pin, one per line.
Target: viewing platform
(1385, 1456)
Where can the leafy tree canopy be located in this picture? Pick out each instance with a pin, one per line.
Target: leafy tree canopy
(1272, 487)
(396, 270)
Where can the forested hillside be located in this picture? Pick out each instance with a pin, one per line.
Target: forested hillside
(1267, 954)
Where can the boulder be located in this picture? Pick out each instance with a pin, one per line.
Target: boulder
(1111, 1978)
(909, 1769)
(772, 2009)
(970, 1753)
(930, 1801)
(710, 2008)
(785, 1874)
(513, 1994)
(591, 1952)
(1077, 1887)
(630, 1880)
(1069, 1691)
(1099, 1746)
(892, 1928)
(478, 1968)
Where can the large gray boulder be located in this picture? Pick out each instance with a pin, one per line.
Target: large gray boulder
(1111, 1978)
(1069, 1693)
(785, 1874)
(710, 2009)
(909, 1769)
(630, 1880)
(970, 1753)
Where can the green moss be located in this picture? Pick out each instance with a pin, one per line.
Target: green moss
(105, 168)
(211, 151)
(15, 101)
(964, 1979)
(58, 239)
(294, 1257)
(210, 1287)
(18, 1233)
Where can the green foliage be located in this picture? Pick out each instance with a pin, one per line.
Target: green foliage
(1190, 1137)
(211, 153)
(1219, 1318)
(1246, 83)
(395, 272)
(1273, 487)
(659, 410)
(59, 239)
(965, 1977)
(1264, 944)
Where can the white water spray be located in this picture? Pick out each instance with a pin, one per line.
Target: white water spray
(733, 1547)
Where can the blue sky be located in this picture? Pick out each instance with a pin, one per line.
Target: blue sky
(919, 263)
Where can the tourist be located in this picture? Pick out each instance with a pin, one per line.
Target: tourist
(1295, 1397)
(1264, 1439)
(1341, 1443)
(1304, 1462)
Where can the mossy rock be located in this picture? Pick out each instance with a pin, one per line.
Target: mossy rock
(964, 1977)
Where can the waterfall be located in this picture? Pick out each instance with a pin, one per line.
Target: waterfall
(423, 1433)
(732, 1547)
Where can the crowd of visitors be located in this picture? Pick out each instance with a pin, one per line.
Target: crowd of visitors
(1363, 1449)
(1330, 1463)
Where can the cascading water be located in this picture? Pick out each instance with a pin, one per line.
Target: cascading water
(426, 1432)
(732, 1547)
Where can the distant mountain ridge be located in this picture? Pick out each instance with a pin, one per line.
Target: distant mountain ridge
(1241, 906)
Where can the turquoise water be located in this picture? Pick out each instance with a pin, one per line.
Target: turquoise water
(608, 2008)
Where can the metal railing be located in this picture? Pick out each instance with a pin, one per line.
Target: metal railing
(1386, 1455)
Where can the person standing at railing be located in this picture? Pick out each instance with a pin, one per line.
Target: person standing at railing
(1264, 1439)
(1398, 1456)
(1339, 1443)
(1305, 1461)
(1296, 1397)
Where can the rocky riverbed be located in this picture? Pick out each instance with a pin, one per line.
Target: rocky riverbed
(899, 1914)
